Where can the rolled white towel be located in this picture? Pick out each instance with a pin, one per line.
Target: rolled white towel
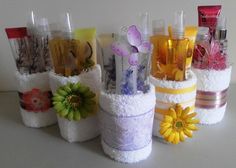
(126, 125)
(84, 129)
(79, 131)
(212, 84)
(169, 93)
(35, 99)
(92, 79)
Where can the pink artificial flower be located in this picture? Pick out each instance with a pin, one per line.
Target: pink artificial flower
(36, 100)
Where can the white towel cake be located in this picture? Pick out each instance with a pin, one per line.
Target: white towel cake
(212, 86)
(169, 93)
(87, 128)
(126, 125)
(35, 99)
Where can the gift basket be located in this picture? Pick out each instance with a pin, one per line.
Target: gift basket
(175, 83)
(127, 99)
(31, 53)
(75, 80)
(211, 65)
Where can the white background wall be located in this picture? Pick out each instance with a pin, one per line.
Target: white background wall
(105, 15)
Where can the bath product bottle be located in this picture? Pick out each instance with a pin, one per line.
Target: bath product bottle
(202, 48)
(44, 35)
(56, 47)
(190, 33)
(177, 50)
(37, 60)
(126, 74)
(143, 69)
(70, 45)
(159, 41)
(220, 34)
(107, 63)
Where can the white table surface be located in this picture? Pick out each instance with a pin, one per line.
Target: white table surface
(21, 147)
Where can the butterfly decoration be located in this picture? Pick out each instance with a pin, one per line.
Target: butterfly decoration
(135, 46)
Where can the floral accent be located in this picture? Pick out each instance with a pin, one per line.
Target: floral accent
(36, 100)
(136, 45)
(141, 81)
(178, 124)
(110, 74)
(209, 58)
(74, 101)
(126, 86)
(168, 72)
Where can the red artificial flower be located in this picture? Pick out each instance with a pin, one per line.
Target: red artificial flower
(36, 100)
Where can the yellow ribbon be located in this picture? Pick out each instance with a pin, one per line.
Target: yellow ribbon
(175, 91)
(166, 111)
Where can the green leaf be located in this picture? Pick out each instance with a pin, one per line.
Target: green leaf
(64, 112)
(70, 115)
(59, 107)
(67, 88)
(62, 92)
(77, 116)
(58, 98)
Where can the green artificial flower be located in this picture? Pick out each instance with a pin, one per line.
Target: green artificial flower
(74, 101)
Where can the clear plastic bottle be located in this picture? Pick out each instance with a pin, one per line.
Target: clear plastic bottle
(202, 48)
(177, 48)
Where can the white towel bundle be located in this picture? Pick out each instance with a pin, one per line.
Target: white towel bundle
(212, 88)
(126, 125)
(35, 99)
(84, 129)
(169, 93)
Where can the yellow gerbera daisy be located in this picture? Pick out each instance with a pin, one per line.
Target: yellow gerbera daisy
(178, 124)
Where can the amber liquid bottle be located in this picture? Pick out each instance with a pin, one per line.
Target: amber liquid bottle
(176, 60)
(160, 49)
(177, 50)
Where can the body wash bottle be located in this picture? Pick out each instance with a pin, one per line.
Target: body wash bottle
(159, 41)
(177, 50)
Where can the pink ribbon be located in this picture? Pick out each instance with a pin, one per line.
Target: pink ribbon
(210, 100)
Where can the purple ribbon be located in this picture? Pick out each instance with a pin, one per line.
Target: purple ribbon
(126, 133)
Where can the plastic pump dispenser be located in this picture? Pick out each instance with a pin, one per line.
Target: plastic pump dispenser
(158, 27)
(67, 26)
(178, 28)
(144, 25)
